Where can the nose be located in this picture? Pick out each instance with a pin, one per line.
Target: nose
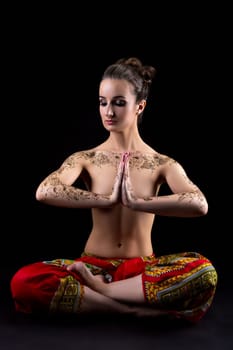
(109, 112)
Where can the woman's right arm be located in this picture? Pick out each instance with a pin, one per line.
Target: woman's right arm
(57, 188)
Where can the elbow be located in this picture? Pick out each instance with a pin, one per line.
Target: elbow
(200, 204)
(205, 208)
(202, 208)
(40, 195)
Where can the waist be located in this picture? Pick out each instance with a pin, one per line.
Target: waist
(112, 244)
(120, 258)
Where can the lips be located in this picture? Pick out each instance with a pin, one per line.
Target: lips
(110, 122)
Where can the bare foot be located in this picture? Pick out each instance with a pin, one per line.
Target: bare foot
(143, 311)
(101, 300)
(94, 282)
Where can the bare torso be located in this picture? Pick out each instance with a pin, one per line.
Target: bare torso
(119, 231)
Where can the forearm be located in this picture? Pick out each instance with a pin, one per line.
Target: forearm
(187, 204)
(61, 195)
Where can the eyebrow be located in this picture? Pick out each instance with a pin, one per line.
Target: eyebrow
(119, 96)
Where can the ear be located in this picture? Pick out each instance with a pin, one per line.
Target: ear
(141, 106)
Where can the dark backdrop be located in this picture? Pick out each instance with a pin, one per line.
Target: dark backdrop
(53, 71)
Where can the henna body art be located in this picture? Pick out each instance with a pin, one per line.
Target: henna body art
(54, 191)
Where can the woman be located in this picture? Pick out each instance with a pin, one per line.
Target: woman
(119, 271)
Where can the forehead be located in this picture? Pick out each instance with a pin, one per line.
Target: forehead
(115, 87)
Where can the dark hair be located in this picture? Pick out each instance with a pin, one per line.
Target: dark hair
(132, 70)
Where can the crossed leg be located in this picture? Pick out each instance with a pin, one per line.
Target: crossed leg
(125, 296)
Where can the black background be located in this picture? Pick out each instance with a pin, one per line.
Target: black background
(52, 59)
(53, 64)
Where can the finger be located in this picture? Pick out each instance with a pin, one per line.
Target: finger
(126, 155)
(124, 193)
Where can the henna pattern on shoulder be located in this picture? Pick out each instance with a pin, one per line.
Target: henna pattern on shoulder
(150, 162)
(99, 158)
(137, 160)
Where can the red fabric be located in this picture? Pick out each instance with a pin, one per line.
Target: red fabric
(182, 283)
(127, 268)
(33, 286)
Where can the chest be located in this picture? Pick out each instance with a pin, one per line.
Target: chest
(145, 176)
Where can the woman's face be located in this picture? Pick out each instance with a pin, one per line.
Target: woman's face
(117, 104)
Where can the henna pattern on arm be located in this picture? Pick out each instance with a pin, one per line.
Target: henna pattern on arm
(190, 196)
(68, 192)
(53, 185)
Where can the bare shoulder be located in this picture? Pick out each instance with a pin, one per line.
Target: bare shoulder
(81, 155)
(164, 159)
(94, 156)
(150, 159)
(172, 169)
(169, 163)
(77, 158)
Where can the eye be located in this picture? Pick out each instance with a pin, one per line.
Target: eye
(102, 103)
(119, 103)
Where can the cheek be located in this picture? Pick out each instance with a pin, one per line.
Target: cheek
(132, 109)
(129, 114)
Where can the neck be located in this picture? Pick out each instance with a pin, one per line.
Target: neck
(120, 142)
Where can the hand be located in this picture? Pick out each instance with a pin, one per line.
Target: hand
(116, 192)
(127, 194)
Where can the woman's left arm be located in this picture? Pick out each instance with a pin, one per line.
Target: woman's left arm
(185, 200)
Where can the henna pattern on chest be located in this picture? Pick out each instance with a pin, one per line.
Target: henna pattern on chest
(102, 158)
(137, 160)
(150, 162)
